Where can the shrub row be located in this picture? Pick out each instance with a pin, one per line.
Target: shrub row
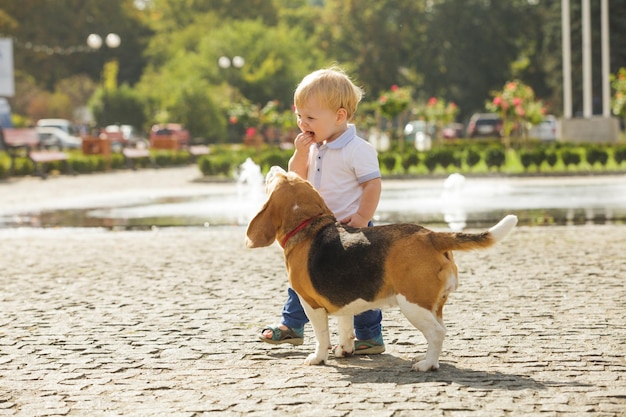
(85, 164)
(460, 156)
(490, 157)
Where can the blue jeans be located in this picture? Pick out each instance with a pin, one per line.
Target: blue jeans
(366, 325)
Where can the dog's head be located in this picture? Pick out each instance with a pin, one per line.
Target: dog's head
(290, 201)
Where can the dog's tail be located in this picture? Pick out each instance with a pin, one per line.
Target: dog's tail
(469, 241)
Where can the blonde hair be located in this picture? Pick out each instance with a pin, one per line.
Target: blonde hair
(332, 88)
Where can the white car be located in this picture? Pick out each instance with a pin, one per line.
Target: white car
(546, 130)
(58, 132)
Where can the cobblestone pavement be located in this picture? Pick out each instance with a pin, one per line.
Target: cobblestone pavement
(164, 323)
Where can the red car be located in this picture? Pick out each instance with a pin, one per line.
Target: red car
(169, 136)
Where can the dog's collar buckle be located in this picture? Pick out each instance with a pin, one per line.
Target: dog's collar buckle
(301, 226)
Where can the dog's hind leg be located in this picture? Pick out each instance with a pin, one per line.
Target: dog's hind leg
(432, 329)
(345, 324)
(319, 321)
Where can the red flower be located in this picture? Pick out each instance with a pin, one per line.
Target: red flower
(394, 87)
(497, 100)
(233, 120)
(432, 101)
(517, 101)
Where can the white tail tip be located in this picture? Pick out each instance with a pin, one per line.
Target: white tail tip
(500, 230)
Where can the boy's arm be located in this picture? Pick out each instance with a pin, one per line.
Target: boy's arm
(299, 161)
(367, 207)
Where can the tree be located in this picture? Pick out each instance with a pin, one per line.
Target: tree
(50, 38)
(380, 41)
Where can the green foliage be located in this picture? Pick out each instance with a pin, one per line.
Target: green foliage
(618, 101)
(551, 158)
(409, 159)
(430, 161)
(274, 157)
(472, 157)
(570, 157)
(216, 165)
(4, 168)
(495, 157)
(620, 154)
(595, 155)
(388, 160)
(118, 106)
(526, 157)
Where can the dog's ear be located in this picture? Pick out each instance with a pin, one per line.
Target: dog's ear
(261, 231)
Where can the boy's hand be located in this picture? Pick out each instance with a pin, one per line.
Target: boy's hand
(303, 142)
(355, 220)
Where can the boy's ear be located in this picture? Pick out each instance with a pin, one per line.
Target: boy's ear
(342, 115)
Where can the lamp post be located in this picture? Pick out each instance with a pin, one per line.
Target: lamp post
(226, 63)
(110, 69)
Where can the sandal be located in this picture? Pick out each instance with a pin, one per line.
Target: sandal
(293, 336)
(369, 347)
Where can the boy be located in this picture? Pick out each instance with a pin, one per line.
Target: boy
(344, 169)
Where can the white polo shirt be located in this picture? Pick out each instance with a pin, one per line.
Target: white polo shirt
(338, 168)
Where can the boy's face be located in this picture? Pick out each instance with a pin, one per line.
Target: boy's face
(322, 123)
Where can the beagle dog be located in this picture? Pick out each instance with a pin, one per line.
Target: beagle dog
(340, 270)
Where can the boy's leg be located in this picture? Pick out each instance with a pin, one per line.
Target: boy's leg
(368, 332)
(291, 328)
(293, 314)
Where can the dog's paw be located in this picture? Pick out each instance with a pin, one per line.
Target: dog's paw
(315, 359)
(340, 352)
(425, 366)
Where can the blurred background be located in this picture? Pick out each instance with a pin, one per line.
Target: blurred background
(223, 67)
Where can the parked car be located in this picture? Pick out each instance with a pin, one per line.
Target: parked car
(124, 135)
(59, 132)
(453, 131)
(417, 131)
(546, 130)
(169, 130)
(484, 125)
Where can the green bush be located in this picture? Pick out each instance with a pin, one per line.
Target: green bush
(570, 157)
(389, 161)
(595, 155)
(431, 161)
(472, 157)
(620, 154)
(495, 157)
(409, 160)
(551, 158)
(274, 157)
(526, 158)
(220, 164)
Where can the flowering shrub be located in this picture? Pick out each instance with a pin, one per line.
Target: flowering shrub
(437, 113)
(618, 102)
(394, 101)
(517, 106)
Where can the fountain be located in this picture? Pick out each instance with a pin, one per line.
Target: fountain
(250, 190)
(452, 203)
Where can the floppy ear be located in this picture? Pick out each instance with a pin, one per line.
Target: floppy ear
(261, 231)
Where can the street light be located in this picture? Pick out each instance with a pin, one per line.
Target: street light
(110, 69)
(225, 63)
(112, 40)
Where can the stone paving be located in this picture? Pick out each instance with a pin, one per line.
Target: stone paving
(164, 322)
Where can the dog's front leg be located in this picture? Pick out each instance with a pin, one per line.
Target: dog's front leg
(345, 347)
(319, 321)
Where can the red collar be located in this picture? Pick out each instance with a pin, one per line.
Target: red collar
(297, 229)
